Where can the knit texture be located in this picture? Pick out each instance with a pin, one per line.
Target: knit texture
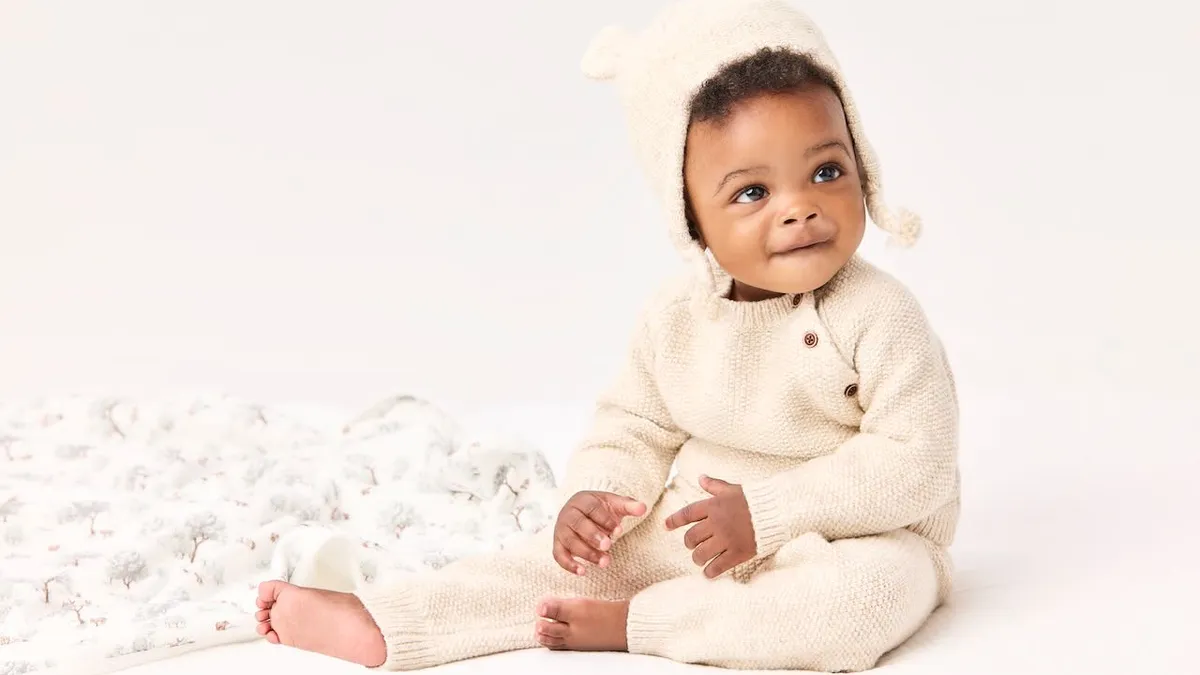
(835, 410)
(658, 70)
(815, 605)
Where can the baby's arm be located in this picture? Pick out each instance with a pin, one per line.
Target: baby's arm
(632, 442)
(902, 466)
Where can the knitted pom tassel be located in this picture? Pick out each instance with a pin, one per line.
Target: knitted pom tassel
(602, 61)
(902, 224)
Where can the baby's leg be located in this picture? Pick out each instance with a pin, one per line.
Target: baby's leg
(650, 554)
(832, 607)
(476, 606)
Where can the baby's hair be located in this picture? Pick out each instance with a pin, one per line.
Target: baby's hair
(767, 71)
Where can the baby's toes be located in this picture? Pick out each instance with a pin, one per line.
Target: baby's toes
(263, 616)
(552, 635)
(272, 637)
(268, 593)
(554, 609)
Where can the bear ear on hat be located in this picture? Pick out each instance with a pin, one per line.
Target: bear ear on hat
(602, 61)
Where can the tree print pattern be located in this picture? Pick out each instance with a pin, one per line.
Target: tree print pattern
(139, 528)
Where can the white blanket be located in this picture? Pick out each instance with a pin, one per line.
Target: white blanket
(132, 531)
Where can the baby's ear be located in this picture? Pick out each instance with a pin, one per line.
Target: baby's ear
(605, 54)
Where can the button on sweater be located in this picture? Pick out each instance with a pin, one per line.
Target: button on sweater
(835, 410)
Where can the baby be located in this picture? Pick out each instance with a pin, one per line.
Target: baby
(798, 391)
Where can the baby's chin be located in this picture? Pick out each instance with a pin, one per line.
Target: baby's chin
(801, 272)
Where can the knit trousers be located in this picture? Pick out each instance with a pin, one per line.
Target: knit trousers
(815, 605)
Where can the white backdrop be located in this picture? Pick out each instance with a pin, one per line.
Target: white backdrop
(330, 201)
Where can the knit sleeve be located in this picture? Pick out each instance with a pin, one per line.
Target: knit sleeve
(632, 442)
(900, 467)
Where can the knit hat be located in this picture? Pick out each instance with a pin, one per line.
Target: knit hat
(658, 71)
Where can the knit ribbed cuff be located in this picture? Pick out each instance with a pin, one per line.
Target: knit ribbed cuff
(596, 485)
(767, 516)
(649, 629)
(401, 619)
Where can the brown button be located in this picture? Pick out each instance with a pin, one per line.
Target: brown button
(810, 339)
(796, 300)
(851, 391)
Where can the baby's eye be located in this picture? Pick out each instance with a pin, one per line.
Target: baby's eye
(827, 173)
(751, 194)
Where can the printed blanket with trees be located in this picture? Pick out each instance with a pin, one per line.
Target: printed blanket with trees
(134, 530)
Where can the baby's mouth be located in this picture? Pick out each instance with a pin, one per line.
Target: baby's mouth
(805, 245)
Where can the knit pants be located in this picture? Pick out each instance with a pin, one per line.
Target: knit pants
(815, 605)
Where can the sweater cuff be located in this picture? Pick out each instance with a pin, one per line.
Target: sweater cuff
(400, 618)
(596, 485)
(767, 516)
(649, 628)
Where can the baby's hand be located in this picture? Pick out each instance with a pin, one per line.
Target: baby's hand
(587, 525)
(723, 536)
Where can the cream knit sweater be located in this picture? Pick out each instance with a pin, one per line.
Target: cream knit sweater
(835, 410)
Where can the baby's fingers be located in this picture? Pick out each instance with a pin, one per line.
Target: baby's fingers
(590, 531)
(582, 550)
(564, 559)
(595, 507)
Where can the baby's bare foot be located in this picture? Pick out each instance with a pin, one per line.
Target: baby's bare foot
(315, 620)
(583, 625)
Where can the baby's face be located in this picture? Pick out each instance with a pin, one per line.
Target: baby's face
(776, 192)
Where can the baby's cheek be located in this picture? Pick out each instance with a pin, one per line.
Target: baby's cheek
(743, 255)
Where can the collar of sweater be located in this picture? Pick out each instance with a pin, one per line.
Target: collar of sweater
(713, 286)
